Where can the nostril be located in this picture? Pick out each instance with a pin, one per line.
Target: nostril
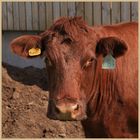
(57, 110)
(76, 107)
(76, 112)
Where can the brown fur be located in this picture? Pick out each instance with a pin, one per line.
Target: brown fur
(74, 54)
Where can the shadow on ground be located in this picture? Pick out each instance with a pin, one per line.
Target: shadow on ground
(28, 76)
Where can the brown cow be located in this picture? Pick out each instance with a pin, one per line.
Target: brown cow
(105, 99)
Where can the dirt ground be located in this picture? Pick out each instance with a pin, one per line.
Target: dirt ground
(24, 107)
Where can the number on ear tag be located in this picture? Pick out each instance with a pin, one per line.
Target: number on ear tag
(109, 62)
(34, 51)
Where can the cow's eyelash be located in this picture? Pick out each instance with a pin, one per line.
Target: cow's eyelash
(48, 62)
(88, 63)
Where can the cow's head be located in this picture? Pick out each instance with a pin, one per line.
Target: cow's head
(71, 50)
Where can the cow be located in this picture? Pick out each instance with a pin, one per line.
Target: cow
(92, 74)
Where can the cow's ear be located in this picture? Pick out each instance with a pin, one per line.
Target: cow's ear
(27, 46)
(111, 45)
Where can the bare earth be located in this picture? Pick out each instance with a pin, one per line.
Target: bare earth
(24, 107)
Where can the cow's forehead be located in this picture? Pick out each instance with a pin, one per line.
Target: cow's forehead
(53, 43)
(63, 52)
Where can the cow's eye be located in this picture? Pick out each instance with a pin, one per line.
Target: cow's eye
(88, 63)
(48, 62)
(67, 41)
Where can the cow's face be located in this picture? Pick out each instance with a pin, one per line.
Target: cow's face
(69, 61)
(69, 68)
(70, 55)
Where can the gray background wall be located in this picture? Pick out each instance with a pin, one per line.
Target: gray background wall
(19, 18)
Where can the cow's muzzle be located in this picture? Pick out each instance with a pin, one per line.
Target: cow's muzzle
(66, 110)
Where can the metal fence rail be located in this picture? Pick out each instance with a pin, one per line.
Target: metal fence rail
(32, 16)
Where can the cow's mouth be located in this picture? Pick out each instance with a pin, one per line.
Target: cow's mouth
(66, 113)
(66, 117)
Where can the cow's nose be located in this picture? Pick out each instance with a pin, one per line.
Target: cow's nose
(67, 111)
(67, 108)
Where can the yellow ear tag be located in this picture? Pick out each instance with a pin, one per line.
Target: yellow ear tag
(34, 51)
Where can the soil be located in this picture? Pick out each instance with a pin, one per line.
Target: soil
(24, 107)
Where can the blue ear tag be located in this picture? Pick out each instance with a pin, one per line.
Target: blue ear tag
(109, 62)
